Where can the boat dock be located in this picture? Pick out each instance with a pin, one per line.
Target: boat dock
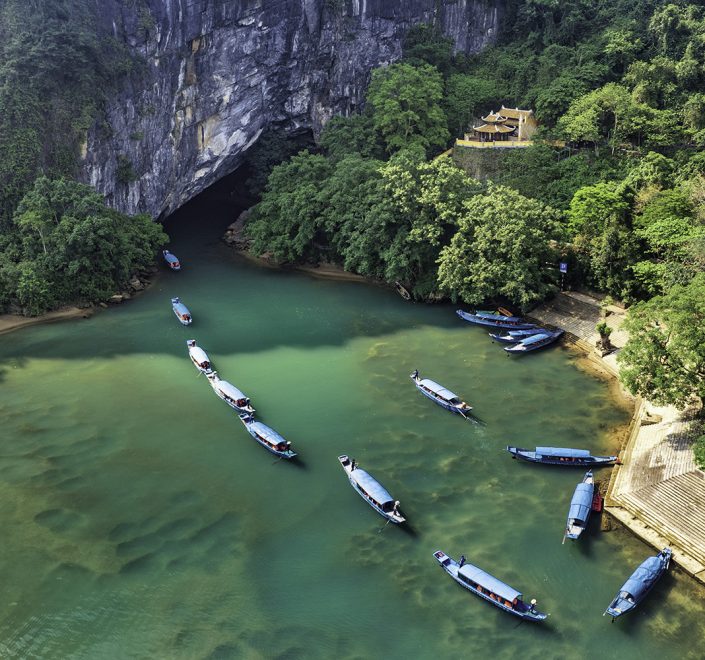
(658, 492)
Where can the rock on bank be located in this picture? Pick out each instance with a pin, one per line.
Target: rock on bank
(213, 74)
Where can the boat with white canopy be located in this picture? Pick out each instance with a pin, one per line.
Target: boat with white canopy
(371, 490)
(561, 456)
(267, 436)
(199, 357)
(181, 311)
(440, 395)
(580, 507)
(487, 586)
(230, 394)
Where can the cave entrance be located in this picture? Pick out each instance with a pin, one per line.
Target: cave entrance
(219, 205)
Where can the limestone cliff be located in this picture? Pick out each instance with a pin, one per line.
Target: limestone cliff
(213, 74)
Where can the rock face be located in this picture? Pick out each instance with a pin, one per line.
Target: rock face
(214, 74)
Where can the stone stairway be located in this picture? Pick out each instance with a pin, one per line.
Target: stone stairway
(576, 313)
(675, 509)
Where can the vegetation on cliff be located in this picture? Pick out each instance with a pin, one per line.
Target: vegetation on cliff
(624, 204)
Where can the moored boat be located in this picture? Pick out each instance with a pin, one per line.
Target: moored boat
(487, 586)
(492, 320)
(230, 394)
(580, 507)
(402, 290)
(371, 490)
(515, 336)
(172, 260)
(442, 396)
(639, 584)
(534, 342)
(181, 311)
(267, 436)
(561, 456)
(199, 357)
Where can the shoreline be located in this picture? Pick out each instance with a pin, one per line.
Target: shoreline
(11, 322)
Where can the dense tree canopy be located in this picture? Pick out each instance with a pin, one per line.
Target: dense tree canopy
(664, 358)
(501, 250)
(65, 245)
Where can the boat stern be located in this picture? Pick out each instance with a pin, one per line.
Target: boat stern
(442, 558)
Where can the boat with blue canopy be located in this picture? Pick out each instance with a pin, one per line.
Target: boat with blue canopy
(181, 311)
(371, 490)
(230, 394)
(487, 586)
(171, 259)
(199, 357)
(267, 436)
(492, 320)
(561, 456)
(442, 396)
(580, 507)
(515, 336)
(534, 342)
(639, 584)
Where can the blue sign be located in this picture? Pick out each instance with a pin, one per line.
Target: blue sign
(564, 267)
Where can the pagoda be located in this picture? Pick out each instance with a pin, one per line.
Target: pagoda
(494, 129)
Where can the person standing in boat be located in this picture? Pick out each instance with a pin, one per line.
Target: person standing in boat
(461, 561)
(415, 375)
(352, 465)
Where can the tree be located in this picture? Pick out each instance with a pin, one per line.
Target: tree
(664, 359)
(65, 246)
(465, 97)
(406, 106)
(344, 136)
(501, 249)
(287, 223)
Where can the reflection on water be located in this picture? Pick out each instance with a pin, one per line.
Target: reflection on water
(141, 520)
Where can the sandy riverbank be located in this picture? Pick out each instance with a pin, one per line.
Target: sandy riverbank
(10, 322)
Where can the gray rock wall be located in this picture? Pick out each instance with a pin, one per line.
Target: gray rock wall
(215, 73)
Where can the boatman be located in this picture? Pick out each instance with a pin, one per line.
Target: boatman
(462, 561)
(415, 375)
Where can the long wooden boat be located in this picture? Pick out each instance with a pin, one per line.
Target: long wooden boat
(402, 290)
(371, 490)
(230, 394)
(181, 311)
(267, 436)
(171, 260)
(492, 320)
(199, 357)
(639, 584)
(489, 587)
(442, 396)
(534, 342)
(561, 456)
(515, 336)
(580, 507)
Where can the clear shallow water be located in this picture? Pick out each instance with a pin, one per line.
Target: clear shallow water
(141, 520)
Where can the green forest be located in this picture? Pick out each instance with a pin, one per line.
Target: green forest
(623, 203)
(59, 243)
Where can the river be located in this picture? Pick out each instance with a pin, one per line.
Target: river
(140, 520)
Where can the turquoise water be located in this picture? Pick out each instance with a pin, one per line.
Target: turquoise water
(141, 520)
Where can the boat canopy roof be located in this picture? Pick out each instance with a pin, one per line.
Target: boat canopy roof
(497, 317)
(269, 434)
(487, 581)
(643, 577)
(181, 308)
(438, 389)
(230, 390)
(198, 354)
(533, 339)
(581, 503)
(371, 486)
(170, 257)
(563, 451)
